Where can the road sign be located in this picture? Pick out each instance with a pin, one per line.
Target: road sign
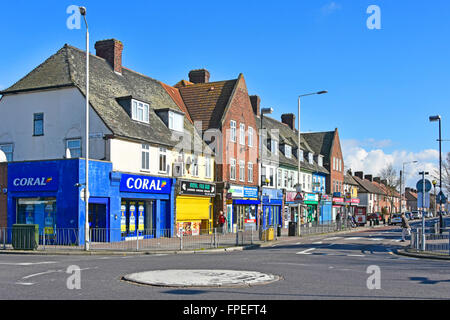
(298, 198)
(419, 185)
(419, 200)
(440, 198)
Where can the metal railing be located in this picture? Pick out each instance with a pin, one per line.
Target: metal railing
(430, 240)
(160, 239)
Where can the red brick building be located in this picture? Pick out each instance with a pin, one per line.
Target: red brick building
(223, 112)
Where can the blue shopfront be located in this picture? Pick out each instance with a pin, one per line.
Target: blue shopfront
(242, 208)
(325, 209)
(50, 194)
(272, 204)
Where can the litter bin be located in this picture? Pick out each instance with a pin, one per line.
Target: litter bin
(292, 229)
(25, 236)
(279, 231)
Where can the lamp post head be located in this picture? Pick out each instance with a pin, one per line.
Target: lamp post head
(266, 110)
(322, 92)
(83, 11)
(435, 118)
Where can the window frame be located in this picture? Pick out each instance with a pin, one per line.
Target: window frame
(162, 155)
(2, 145)
(233, 131)
(242, 170)
(242, 134)
(232, 167)
(137, 106)
(250, 136)
(250, 171)
(145, 157)
(67, 147)
(34, 124)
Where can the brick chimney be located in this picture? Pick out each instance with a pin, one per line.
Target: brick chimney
(111, 51)
(359, 174)
(199, 76)
(368, 177)
(289, 119)
(377, 179)
(255, 101)
(384, 182)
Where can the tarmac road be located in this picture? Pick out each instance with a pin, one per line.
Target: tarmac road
(319, 267)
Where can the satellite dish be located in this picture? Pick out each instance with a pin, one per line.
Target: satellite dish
(3, 156)
(68, 155)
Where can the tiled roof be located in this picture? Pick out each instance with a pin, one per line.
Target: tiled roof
(206, 102)
(290, 137)
(67, 68)
(348, 179)
(320, 142)
(367, 186)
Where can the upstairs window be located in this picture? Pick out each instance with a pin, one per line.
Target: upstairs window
(310, 158)
(233, 131)
(145, 157)
(140, 111)
(8, 150)
(38, 124)
(274, 146)
(250, 172)
(162, 160)
(320, 161)
(250, 136)
(74, 147)
(232, 169)
(242, 134)
(208, 167)
(176, 121)
(287, 151)
(241, 170)
(300, 154)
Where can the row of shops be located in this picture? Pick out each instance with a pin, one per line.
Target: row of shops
(51, 195)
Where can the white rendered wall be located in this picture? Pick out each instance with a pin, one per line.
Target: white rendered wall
(64, 118)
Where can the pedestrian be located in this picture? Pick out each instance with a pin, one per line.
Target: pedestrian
(338, 221)
(406, 229)
(221, 220)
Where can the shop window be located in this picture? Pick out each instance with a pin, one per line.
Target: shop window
(40, 211)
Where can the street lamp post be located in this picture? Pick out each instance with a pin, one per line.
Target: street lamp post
(299, 148)
(423, 173)
(402, 174)
(434, 119)
(86, 187)
(263, 112)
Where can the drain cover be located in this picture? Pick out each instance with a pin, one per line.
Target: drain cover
(201, 278)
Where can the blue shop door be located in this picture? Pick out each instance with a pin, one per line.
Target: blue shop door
(97, 222)
(164, 219)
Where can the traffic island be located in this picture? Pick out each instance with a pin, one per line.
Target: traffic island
(408, 252)
(201, 278)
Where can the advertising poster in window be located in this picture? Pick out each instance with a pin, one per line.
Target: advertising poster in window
(29, 214)
(141, 217)
(49, 222)
(132, 217)
(123, 218)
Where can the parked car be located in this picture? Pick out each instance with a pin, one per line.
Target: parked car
(416, 215)
(408, 215)
(395, 218)
(375, 217)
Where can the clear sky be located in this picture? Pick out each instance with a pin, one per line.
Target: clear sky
(383, 84)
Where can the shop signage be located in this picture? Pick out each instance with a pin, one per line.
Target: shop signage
(197, 188)
(290, 196)
(243, 192)
(33, 179)
(273, 194)
(325, 197)
(311, 197)
(338, 200)
(145, 184)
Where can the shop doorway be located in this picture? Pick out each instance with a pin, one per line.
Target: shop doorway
(97, 222)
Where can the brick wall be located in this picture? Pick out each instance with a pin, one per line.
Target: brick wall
(334, 174)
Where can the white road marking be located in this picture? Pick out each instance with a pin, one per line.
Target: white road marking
(376, 239)
(333, 238)
(306, 251)
(353, 238)
(41, 273)
(26, 263)
(355, 255)
(25, 283)
(318, 242)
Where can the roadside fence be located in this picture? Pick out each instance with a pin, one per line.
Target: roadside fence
(430, 240)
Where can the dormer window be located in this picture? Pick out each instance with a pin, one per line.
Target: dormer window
(287, 151)
(300, 154)
(320, 161)
(274, 146)
(310, 158)
(176, 121)
(140, 111)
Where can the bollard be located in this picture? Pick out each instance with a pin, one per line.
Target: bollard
(215, 237)
(181, 241)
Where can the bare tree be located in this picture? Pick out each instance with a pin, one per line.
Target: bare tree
(392, 182)
(445, 174)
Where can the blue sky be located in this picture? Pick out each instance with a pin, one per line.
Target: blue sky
(383, 84)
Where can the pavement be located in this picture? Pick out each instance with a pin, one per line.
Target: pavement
(257, 244)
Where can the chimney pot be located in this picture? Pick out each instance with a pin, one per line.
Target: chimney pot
(256, 102)
(368, 177)
(289, 119)
(111, 51)
(199, 76)
(359, 174)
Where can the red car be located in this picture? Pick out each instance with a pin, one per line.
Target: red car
(376, 217)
